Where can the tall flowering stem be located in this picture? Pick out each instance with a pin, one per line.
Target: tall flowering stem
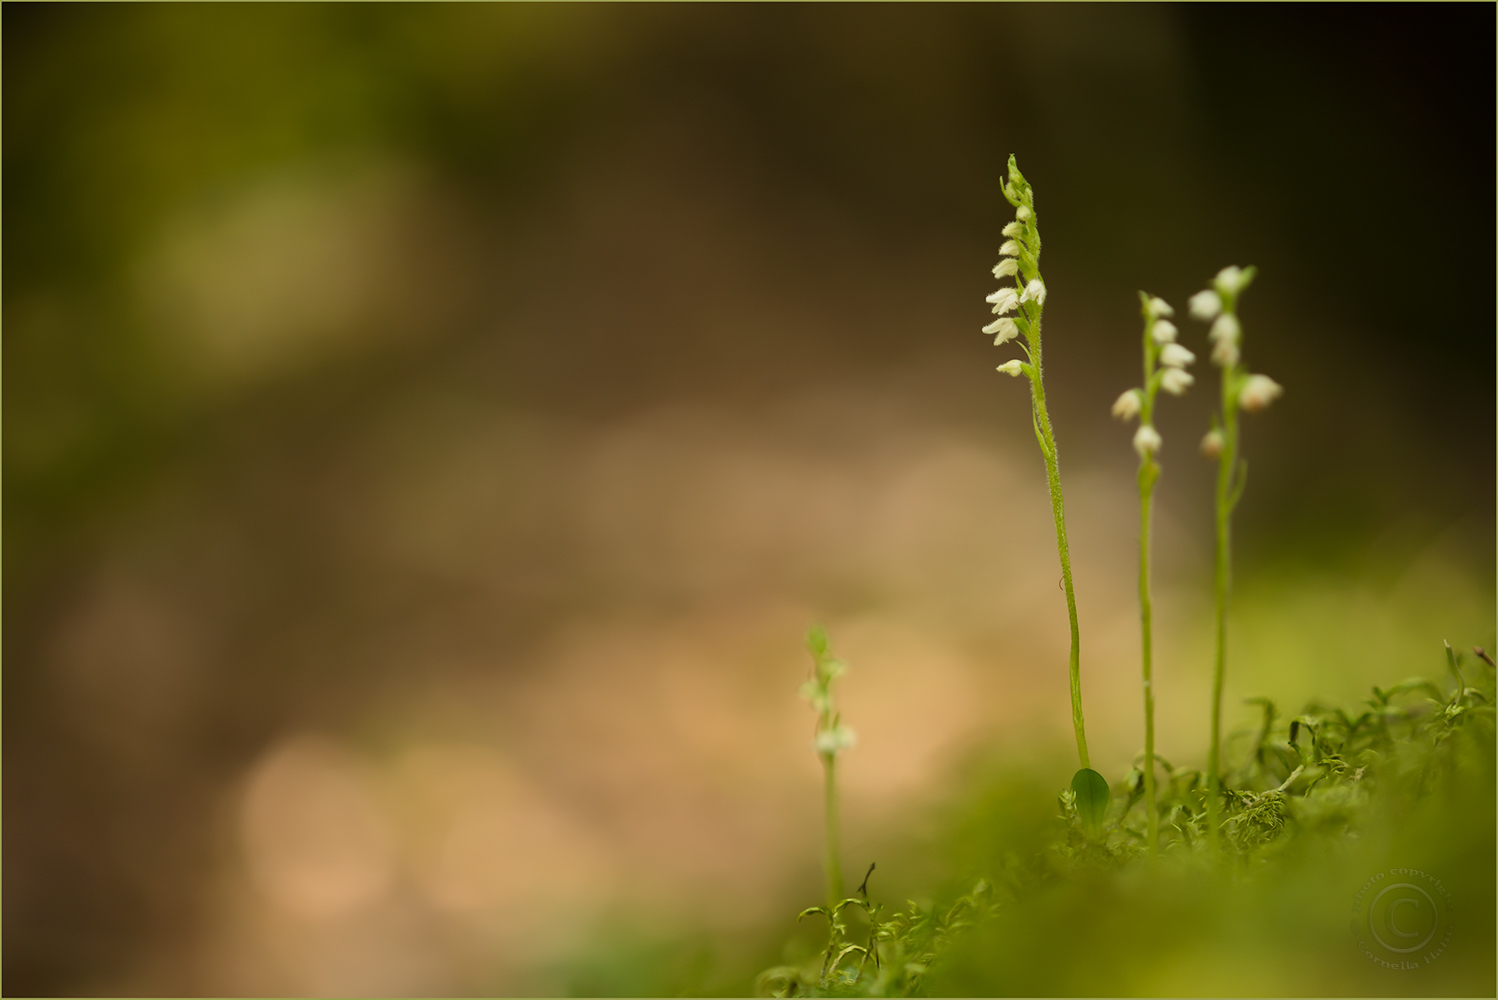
(1165, 364)
(830, 739)
(1019, 258)
(1240, 390)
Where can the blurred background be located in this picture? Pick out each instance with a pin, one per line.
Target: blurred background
(429, 432)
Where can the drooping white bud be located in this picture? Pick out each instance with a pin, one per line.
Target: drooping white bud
(1175, 381)
(1225, 353)
(1009, 249)
(1014, 367)
(1004, 300)
(1176, 356)
(1258, 392)
(1024, 214)
(1164, 331)
(1004, 327)
(1205, 304)
(1006, 268)
(1128, 405)
(1159, 307)
(1229, 280)
(1212, 443)
(1034, 292)
(1227, 327)
(1014, 229)
(1146, 440)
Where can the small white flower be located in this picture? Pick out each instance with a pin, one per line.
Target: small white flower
(1006, 268)
(1009, 249)
(1014, 229)
(1004, 327)
(1003, 300)
(1146, 440)
(1024, 214)
(1159, 307)
(1175, 381)
(1014, 367)
(1225, 353)
(1034, 292)
(1164, 331)
(830, 741)
(1127, 405)
(1176, 356)
(1227, 327)
(1205, 304)
(1212, 443)
(1229, 280)
(1258, 392)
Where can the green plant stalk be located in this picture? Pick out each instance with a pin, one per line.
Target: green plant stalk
(1047, 440)
(1149, 474)
(834, 833)
(1021, 195)
(1227, 462)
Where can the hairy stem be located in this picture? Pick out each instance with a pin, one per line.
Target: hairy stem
(1053, 476)
(834, 850)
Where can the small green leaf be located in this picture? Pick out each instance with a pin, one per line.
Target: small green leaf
(1091, 790)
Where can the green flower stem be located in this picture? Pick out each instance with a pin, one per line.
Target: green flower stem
(834, 833)
(1227, 462)
(1047, 440)
(1149, 474)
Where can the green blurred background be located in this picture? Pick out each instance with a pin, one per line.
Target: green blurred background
(429, 431)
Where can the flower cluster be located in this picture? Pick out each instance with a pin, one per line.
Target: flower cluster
(1218, 305)
(1019, 258)
(1165, 364)
(831, 736)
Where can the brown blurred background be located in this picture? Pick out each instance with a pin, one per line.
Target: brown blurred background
(429, 431)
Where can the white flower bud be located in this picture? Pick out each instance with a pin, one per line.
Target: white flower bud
(1258, 392)
(1205, 304)
(1014, 229)
(1164, 331)
(1014, 367)
(1128, 405)
(1212, 443)
(830, 741)
(1159, 307)
(1024, 214)
(1003, 300)
(1175, 381)
(1009, 249)
(1006, 268)
(1229, 280)
(1176, 356)
(1034, 292)
(1227, 327)
(1146, 440)
(1004, 327)
(1225, 353)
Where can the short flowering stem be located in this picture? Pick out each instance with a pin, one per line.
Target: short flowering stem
(834, 832)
